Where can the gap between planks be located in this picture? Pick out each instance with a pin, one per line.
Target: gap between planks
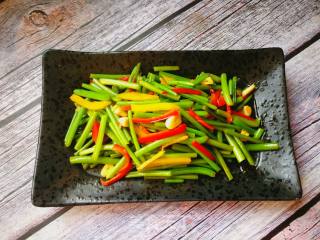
(299, 212)
(117, 47)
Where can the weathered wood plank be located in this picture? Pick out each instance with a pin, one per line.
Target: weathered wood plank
(228, 220)
(19, 137)
(267, 215)
(207, 25)
(99, 26)
(305, 227)
(17, 214)
(253, 24)
(28, 29)
(29, 89)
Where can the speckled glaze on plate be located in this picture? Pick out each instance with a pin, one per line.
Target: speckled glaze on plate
(57, 183)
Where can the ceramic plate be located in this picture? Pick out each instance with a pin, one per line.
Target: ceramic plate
(57, 183)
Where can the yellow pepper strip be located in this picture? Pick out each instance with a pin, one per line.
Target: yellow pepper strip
(104, 170)
(89, 105)
(136, 96)
(207, 81)
(178, 139)
(150, 160)
(167, 161)
(153, 107)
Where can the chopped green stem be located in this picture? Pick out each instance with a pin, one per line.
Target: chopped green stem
(165, 68)
(89, 160)
(119, 83)
(185, 104)
(127, 103)
(173, 76)
(236, 149)
(199, 100)
(218, 144)
(133, 132)
(202, 76)
(245, 151)
(152, 146)
(215, 78)
(133, 156)
(146, 114)
(224, 125)
(241, 136)
(200, 140)
(115, 169)
(126, 134)
(164, 88)
(195, 131)
(225, 89)
(115, 126)
(157, 90)
(135, 72)
(262, 147)
(223, 164)
(79, 113)
(198, 161)
(244, 102)
(243, 125)
(250, 123)
(152, 173)
(211, 163)
(91, 87)
(258, 133)
(193, 170)
(91, 95)
(181, 148)
(220, 136)
(85, 146)
(173, 180)
(86, 131)
(234, 93)
(110, 76)
(204, 114)
(105, 89)
(180, 155)
(98, 146)
(194, 122)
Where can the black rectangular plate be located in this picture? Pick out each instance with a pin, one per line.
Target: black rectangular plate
(57, 183)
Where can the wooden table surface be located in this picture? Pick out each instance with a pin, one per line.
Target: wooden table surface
(29, 27)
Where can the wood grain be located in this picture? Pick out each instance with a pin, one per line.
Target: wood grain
(206, 220)
(100, 26)
(30, 28)
(207, 25)
(305, 227)
(250, 24)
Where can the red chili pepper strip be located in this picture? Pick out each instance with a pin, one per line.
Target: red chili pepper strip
(123, 171)
(95, 130)
(125, 108)
(125, 78)
(121, 174)
(156, 119)
(221, 102)
(151, 137)
(186, 91)
(242, 115)
(200, 120)
(204, 150)
(214, 97)
(229, 117)
(121, 150)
